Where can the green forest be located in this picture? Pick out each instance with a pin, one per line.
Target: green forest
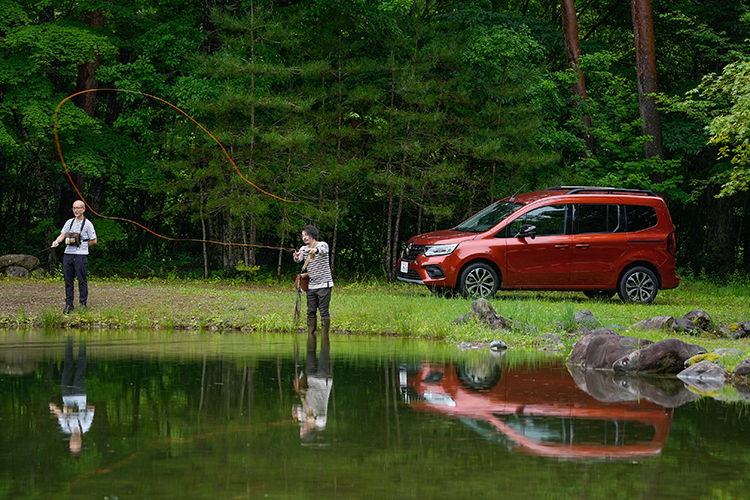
(239, 121)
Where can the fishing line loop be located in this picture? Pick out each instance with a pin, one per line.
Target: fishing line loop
(226, 153)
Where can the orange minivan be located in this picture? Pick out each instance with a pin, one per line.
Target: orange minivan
(598, 240)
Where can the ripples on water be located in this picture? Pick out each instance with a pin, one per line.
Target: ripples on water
(184, 415)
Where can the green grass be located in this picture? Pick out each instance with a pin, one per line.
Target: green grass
(50, 317)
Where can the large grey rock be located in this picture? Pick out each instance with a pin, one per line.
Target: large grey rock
(27, 262)
(704, 370)
(656, 323)
(699, 318)
(665, 356)
(577, 355)
(16, 272)
(601, 347)
(684, 325)
(743, 369)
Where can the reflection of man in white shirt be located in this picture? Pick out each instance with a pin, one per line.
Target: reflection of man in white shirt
(76, 416)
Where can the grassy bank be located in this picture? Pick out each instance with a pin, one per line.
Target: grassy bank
(357, 307)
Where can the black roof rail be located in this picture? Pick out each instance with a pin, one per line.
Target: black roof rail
(608, 190)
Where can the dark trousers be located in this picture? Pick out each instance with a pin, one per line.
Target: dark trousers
(318, 299)
(74, 383)
(75, 266)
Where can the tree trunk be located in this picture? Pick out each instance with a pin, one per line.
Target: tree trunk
(205, 248)
(388, 241)
(212, 43)
(573, 54)
(720, 244)
(389, 271)
(335, 226)
(395, 254)
(87, 71)
(281, 255)
(645, 58)
(253, 241)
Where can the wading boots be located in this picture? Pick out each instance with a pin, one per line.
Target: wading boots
(325, 324)
(312, 325)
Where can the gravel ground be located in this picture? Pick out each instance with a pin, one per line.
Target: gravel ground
(30, 302)
(31, 297)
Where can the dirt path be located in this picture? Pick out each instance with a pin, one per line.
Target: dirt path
(32, 297)
(28, 301)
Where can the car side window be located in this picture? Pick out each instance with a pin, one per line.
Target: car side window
(550, 220)
(640, 217)
(598, 218)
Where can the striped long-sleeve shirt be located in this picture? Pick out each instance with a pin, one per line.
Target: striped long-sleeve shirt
(319, 267)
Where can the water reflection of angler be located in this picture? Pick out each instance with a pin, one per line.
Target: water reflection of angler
(314, 388)
(76, 416)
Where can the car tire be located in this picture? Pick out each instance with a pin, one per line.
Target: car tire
(478, 281)
(638, 285)
(599, 294)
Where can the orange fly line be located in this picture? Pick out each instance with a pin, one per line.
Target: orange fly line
(70, 178)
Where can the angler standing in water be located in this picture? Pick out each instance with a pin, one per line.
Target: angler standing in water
(78, 234)
(319, 288)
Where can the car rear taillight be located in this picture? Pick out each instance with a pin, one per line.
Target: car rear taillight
(671, 244)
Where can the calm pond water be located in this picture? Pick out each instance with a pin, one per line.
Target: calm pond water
(233, 416)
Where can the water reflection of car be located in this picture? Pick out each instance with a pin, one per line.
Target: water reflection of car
(538, 410)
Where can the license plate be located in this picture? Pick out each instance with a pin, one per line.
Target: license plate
(404, 267)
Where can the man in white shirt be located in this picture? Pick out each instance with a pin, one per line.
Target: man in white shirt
(78, 234)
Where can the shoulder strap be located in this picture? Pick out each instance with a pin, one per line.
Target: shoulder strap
(307, 260)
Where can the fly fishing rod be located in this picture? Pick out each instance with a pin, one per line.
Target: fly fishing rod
(226, 153)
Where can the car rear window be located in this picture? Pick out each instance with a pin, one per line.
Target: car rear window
(640, 217)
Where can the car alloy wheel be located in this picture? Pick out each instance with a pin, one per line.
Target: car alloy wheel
(638, 285)
(479, 280)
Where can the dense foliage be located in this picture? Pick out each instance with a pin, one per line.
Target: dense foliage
(377, 119)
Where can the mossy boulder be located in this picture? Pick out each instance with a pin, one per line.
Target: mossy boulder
(665, 356)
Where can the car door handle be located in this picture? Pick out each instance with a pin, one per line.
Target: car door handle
(582, 245)
(562, 246)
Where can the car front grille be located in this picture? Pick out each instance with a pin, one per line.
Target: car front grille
(411, 252)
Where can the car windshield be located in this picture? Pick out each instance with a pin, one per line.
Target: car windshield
(489, 217)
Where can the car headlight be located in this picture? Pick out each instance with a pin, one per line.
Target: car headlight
(440, 249)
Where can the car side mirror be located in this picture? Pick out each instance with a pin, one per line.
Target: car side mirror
(527, 231)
